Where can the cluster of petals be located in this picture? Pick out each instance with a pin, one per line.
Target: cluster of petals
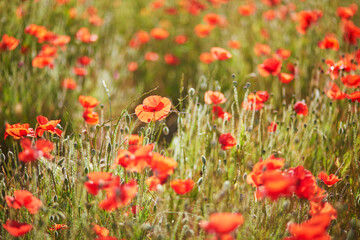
(18, 131)
(227, 141)
(30, 153)
(222, 224)
(89, 103)
(23, 198)
(255, 101)
(8, 43)
(154, 108)
(182, 186)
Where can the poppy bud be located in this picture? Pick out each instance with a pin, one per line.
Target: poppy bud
(191, 91)
(55, 198)
(166, 130)
(86, 170)
(200, 181)
(235, 83)
(203, 159)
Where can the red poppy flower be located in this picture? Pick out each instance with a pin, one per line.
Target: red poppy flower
(334, 92)
(91, 117)
(151, 56)
(347, 12)
(142, 36)
(301, 108)
(214, 97)
(269, 15)
(159, 33)
(220, 53)
(351, 80)
(272, 127)
(69, 83)
(16, 229)
(203, 30)
(57, 227)
(351, 32)
(329, 42)
(42, 61)
(306, 19)
(88, 101)
(329, 180)
(100, 231)
(247, 10)
(315, 228)
(134, 139)
(84, 35)
(132, 66)
(256, 101)
(8, 43)
(162, 166)
(271, 3)
(227, 141)
(96, 20)
(270, 66)
(119, 195)
(153, 108)
(60, 41)
(31, 153)
(214, 19)
(23, 198)
(222, 223)
(153, 183)
(98, 181)
(219, 113)
(35, 30)
(286, 77)
(171, 59)
(84, 60)
(135, 158)
(46, 125)
(322, 208)
(181, 39)
(234, 44)
(262, 49)
(80, 71)
(182, 186)
(18, 131)
(206, 58)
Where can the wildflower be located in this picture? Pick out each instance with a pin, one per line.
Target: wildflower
(88, 101)
(162, 166)
(159, 33)
(255, 101)
(46, 125)
(301, 108)
(317, 208)
(135, 158)
(219, 113)
(206, 58)
(153, 108)
(262, 49)
(203, 30)
(234, 44)
(214, 97)
(8, 43)
(351, 32)
(57, 227)
(181, 39)
(84, 60)
(84, 35)
(286, 77)
(222, 223)
(91, 117)
(272, 127)
(334, 92)
(153, 182)
(182, 186)
(283, 53)
(132, 66)
(69, 84)
(329, 180)
(42, 61)
(270, 66)
(80, 71)
(18, 131)
(220, 53)
(23, 198)
(31, 153)
(100, 231)
(97, 181)
(227, 141)
(306, 19)
(351, 80)
(17, 229)
(329, 42)
(171, 59)
(247, 10)
(151, 56)
(347, 12)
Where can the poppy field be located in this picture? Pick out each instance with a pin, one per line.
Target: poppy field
(180, 119)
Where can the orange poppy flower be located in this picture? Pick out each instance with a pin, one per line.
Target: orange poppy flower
(18, 131)
(20, 12)
(247, 10)
(84, 60)
(88, 101)
(272, 127)
(329, 180)
(142, 36)
(97, 181)
(132, 66)
(334, 92)
(100, 231)
(283, 53)
(69, 83)
(203, 30)
(227, 141)
(96, 20)
(355, 96)
(151, 56)
(347, 12)
(47, 51)
(43, 61)
(162, 166)
(270, 66)
(315, 228)
(171, 59)
(206, 58)
(351, 32)
(351, 80)
(107, 238)
(57, 227)
(322, 208)
(271, 3)
(286, 77)
(80, 71)
(46, 125)
(60, 40)
(8, 43)
(222, 223)
(329, 42)
(220, 53)
(91, 117)
(214, 97)
(181, 39)
(114, 199)
(35, 30)
(214, 19)
(134, 139)
(23, 198)
(255, 101)
(301, 108)
(234, 44)
(84, 35)
(159, 33)
(135, 158)
(182, 186)
(16, 229)
(262, 49)
(153, 108)
(269, 15)
(153, 183)
(31, 153)
(219, 113)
